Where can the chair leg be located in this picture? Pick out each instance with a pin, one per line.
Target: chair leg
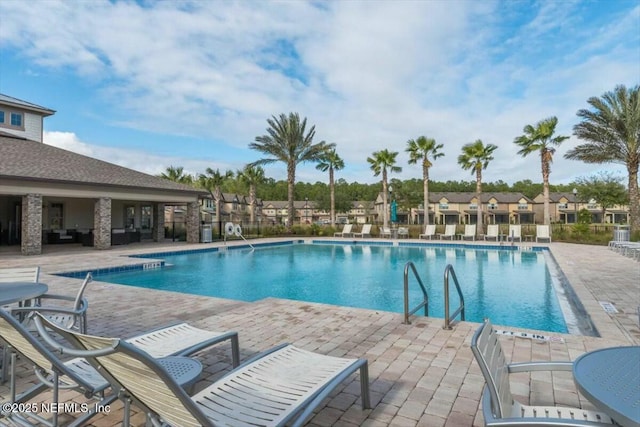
(364, 386)
(56, 391)
(235, 351)
(5, 363)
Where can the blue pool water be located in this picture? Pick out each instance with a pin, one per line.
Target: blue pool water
(510, 287)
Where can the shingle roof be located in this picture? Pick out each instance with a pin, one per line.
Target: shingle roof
(9, 100)
(25, 159)
(466, 197)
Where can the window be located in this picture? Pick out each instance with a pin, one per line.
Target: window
(56, 220)
(523, 206)
(16, 120)
(129, 217)
(11, 119)
(145, 217)
(444, 206)
(563, 206)
(473, 206)
(493, 206)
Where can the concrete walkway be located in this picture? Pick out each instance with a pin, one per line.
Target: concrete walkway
(420, 374)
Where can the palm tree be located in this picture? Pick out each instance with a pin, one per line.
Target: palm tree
(252, 176)
(331, 161)
(212, 182)
(289, 142)
(420, 149)
(475, 157)
(612, 135)
(176, 174)
(539, 138)
(380, 162)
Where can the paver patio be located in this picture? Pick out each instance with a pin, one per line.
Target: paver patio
(420, 374)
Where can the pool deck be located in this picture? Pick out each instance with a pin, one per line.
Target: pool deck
(420, 374)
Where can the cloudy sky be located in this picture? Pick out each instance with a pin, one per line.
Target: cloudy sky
(191, 83)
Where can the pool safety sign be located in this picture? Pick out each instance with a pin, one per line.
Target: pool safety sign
(529, 335)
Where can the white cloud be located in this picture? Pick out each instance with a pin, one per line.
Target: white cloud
(131, 158)
(370, 75)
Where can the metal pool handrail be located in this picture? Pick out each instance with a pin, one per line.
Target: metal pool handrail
(425, 299)
(460, 310)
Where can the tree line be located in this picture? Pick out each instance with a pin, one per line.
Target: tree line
(610, 131)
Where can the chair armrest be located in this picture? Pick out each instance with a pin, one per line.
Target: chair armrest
(45, 310)
(540, 366)
(53, 309)
(57, 297)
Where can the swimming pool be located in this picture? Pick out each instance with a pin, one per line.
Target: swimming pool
(510, 287)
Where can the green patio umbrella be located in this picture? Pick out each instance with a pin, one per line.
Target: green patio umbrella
(394, 211)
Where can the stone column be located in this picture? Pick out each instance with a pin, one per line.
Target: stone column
(102, 223)
(193, 222)
(158, 222)
(32, 224)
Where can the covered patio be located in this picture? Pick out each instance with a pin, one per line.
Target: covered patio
(51, 196)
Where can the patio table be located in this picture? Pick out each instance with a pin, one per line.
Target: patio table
(610, 379)
(11, 292)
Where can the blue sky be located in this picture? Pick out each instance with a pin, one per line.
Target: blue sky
(191, 83)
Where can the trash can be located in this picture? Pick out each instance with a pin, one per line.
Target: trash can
(206, 235)
(621, 233)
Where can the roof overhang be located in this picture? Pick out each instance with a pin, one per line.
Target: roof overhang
(20, 187)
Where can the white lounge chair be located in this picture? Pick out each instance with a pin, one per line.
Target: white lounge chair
(281, 386)
(385, 232)
(365, 232)
(498, 405)
(493, 232)
(515, 232)
(469, 232)
(77, 374)
(542, 232)
(429, 231)
(449, 232)
(403, 232)
(346, 231)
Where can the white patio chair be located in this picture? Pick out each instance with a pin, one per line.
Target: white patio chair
(498, 405)
(346, 231)
(366, 231)
(449, 232)
(542, 232)
(403, 232)
(429, 232)
(22, 274)
(493, 232)
(469, 232)
(71, 316)
(515, 232)
(385, 232)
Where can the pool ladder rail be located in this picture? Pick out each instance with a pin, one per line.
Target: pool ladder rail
(448, 271)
